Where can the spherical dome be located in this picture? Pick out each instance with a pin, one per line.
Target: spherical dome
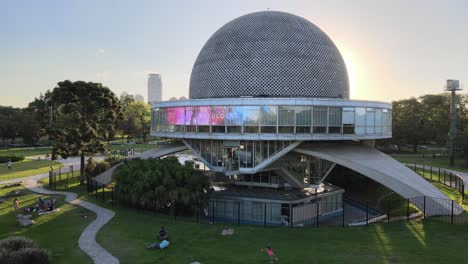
(269, 54)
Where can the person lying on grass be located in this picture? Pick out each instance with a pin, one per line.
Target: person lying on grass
(162, 245)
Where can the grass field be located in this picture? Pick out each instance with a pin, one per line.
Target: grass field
(419, 241)
(26, 168)
(39, 151)
(57, 232)
(440, 161)
(403, 242)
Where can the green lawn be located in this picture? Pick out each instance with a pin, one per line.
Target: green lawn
(450, 192)
(57, 232)
(403, 242)
(26, 168)
(441, 162)
(419, 241)
(39, 151)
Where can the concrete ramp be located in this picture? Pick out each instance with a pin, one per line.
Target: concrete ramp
(163, 150)
(157, 152)
(383, 169)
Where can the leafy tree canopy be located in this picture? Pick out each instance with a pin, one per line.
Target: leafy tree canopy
(83, 118)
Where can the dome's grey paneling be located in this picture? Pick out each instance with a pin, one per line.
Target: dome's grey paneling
(269, 53)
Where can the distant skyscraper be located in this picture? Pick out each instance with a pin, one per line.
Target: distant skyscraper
(139, 98)
(154, 88)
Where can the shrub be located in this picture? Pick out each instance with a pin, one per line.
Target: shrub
(13, 158)
(113, 159)
(16, 243)
(94, 168)
(31, 255)
(160, 184)
(20, 250)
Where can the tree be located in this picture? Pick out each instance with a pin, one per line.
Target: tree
(84, 115)
(408, 123)
(9, 123)
(135, 121)
(39, 110)
(141, 112)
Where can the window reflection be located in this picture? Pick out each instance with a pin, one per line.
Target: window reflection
(272, 119)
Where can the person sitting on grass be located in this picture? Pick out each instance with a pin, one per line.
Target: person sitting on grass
(163, 234)
(270, 253)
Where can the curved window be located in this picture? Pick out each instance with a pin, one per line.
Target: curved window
(282, 119)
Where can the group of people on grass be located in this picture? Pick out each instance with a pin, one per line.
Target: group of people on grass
(42, 206)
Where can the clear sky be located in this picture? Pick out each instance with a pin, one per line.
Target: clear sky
(393, 49)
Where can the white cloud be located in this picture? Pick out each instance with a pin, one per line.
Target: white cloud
(104, 75)
(100, 51)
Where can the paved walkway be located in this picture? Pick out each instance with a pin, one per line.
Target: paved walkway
(87, 241)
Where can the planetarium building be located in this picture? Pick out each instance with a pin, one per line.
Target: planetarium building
(269, 109)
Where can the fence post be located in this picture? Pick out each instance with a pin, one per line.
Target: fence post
(414, 167)
(318, 209)
(407, 209)
(290, 215)
(213, 212)
(439, 174)
(238, 213)
(431, 173)
(343, 215)
(367, 213)
(463, 192)
(424, 208)
(451, 218)
(50, 179)
(450, 184)
(264, 214)
(224, 211)
(388, 211)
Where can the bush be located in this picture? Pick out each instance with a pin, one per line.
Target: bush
(161, 184)
(94, 168)
(113, 159)
(13, 158)
(16, 243)
(20, 250)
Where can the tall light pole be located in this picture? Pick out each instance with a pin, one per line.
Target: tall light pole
(453, 86)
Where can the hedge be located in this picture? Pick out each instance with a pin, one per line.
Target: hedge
(21, 250)
(13, 158)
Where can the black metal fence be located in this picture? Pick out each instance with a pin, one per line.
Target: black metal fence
(100, 191)
(443, 176)
(63, 177)
(316, 213)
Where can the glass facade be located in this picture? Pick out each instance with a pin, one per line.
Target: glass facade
(234, 154)
(273, 119)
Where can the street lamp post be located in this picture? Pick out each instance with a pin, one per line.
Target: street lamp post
(452, 86)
